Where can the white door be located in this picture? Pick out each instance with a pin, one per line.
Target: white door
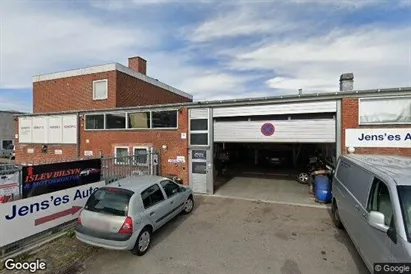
(199, 170)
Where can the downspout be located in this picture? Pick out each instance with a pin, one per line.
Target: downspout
(78, 134)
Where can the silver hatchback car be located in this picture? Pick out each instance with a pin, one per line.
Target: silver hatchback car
(124, 214)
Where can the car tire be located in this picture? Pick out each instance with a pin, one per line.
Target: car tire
(188, 206)
(303, 178)
(143, 242)
(335, 215)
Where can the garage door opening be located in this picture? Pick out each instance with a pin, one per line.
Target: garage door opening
(266, 171)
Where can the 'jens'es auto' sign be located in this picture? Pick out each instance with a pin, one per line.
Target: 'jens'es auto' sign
(378, 137)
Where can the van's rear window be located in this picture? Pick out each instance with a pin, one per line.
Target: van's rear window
(113, 201)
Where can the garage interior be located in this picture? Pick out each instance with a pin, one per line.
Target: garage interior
(253, 166)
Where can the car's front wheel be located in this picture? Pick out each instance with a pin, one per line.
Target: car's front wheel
(335, 215)
(188, 205)
(143, 242)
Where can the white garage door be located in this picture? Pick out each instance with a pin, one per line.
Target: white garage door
(288, 131)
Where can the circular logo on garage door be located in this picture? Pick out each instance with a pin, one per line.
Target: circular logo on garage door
(267, 129)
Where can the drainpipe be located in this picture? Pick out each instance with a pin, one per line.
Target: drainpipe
(79, 118)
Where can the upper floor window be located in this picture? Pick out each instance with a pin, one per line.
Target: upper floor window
(376, 111)
(100, 89)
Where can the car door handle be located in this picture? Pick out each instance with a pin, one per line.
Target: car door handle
(152, 213)
(172, 202)
(357, 207)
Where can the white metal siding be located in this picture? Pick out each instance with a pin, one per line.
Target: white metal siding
(290, 108)
(290, 131)
(199, 113)
(199, 183)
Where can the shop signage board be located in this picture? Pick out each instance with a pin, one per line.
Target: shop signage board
(378, 137)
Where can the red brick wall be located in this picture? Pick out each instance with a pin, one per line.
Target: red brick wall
(72, 93)
(105, 141)
(350, 120)
(135, 92)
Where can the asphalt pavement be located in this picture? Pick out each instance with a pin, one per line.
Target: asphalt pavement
(237, 236)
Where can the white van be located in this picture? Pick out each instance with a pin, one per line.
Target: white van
(372, 201)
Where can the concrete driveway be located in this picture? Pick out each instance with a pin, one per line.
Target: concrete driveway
(236, 236)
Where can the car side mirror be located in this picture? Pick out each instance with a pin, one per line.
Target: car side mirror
(182, 189)
(376, 220)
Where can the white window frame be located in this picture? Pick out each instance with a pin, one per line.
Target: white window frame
(94, 91)
(379, 123)
(147, 150)
(115, 154)
(2, 148)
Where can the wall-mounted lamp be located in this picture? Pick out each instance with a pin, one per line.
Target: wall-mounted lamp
(164, 147)
(351, 150)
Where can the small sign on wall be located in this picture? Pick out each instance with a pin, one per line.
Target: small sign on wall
(183, 135)
(58, 151)
(30, 150)
(88, 153)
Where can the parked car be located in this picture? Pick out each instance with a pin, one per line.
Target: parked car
(9, 152)
(273, 158)
(372, 202)
(124, 214)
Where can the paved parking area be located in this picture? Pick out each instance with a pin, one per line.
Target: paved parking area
(278, 190)
(237, 236)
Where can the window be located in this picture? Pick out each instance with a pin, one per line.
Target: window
(404, 192)
(385, 111)
(151, 196)
(380, 201)
(199, 124)
(140, 155)
(121, 155)
(170, 188)
(6, 144)
(164, 119)
(139, 120)
(199, 168)
(94, 121)
(115, 120)
(112, 201)
(199, 139)
(100, 89)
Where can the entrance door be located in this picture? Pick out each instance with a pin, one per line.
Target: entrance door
(199, 170)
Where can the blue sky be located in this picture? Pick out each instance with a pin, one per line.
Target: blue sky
(211, 49)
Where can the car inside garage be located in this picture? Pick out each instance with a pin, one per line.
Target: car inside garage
(260, 156)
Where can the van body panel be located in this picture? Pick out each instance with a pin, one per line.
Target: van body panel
(363, 183)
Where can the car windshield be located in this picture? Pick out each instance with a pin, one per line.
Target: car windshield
(113, 201)
(404, 192)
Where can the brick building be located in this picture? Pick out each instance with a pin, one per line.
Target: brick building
(102, 87)
(247, 130)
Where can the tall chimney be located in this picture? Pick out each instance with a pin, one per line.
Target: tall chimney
(347, 82)
(138, 64)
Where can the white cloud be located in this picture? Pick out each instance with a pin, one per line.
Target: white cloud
(42, 40)
(378, 57)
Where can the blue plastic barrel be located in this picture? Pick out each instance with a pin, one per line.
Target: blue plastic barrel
(322, 189)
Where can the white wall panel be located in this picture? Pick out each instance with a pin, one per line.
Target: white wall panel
(199, 113)
(290, 131)
(55, 130)
(39, 130)
(70, 128)
(290, 108)
(25, 129)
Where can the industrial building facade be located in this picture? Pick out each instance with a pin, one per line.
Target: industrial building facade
(188, 136)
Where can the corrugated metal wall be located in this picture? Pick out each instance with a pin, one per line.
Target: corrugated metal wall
(289, 131)
(289, 108)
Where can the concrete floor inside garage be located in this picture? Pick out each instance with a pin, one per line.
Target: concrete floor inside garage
(266, 172)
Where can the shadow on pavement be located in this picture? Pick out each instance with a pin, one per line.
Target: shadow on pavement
(342, 237)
